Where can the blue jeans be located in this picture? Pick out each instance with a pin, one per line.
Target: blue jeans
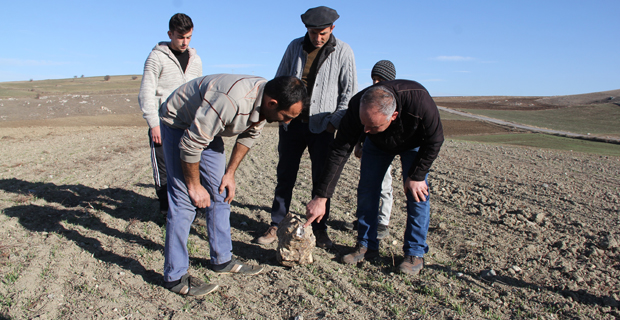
(181, 211)
(293, 142)
(375, 163)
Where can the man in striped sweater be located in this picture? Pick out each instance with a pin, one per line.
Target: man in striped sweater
(194, 120)
(169, 65)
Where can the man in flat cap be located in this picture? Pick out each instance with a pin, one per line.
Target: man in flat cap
(326, 65)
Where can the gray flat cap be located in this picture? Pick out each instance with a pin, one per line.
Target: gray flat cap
(319, 17)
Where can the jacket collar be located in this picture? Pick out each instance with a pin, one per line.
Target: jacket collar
(163, 47)
(255, 114)
(328, 47)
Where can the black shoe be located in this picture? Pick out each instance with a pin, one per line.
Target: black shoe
(190, 286)
(322, 239)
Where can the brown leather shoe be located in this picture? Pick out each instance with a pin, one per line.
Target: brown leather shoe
(360, 254)
(412, 265)
(322, 239)
(270, 236)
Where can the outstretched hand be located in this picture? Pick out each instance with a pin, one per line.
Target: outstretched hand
(315, 210)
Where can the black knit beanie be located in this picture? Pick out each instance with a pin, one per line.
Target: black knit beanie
(384, 69)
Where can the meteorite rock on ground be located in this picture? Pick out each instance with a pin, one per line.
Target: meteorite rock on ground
(295, 243)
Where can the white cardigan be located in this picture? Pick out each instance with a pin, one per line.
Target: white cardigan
(162, 75)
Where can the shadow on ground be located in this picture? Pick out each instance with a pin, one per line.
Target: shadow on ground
(579, 296)
(80, 205)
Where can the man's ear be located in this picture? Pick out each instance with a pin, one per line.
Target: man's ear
(272, 103)
(394, 115)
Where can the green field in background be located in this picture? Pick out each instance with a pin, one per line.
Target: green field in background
(602, 119)
(538, 140)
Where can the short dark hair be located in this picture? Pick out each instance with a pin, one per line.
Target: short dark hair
(181, 23)
(287, 90)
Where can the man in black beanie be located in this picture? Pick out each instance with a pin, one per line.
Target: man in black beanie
(326, 65)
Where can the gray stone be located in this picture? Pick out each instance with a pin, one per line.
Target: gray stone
(488, 273)
(295, 243)
(539, 217)
(608, 242)
(560, 245)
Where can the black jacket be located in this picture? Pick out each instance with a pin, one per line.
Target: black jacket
(417, 125)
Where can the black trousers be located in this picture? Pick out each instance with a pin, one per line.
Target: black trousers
(159, 173)
(291, 146)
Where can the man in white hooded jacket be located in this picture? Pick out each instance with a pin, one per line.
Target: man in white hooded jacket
(169, 65)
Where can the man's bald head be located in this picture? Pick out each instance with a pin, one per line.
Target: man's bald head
(377, 109)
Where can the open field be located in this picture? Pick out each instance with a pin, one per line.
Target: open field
(81, 236)
(86, 85)
(543, 141)
(600, 119)
(594, 113)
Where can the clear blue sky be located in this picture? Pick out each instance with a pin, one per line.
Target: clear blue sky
(462, 47)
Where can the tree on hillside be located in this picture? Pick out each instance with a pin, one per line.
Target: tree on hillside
(106, 78)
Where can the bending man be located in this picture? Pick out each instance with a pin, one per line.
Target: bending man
(194, 120)
(399, 118)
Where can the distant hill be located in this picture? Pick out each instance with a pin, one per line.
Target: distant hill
(529, 103)
(86, 85)
(612, 96)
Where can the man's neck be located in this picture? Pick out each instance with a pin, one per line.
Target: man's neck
(176, 52)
